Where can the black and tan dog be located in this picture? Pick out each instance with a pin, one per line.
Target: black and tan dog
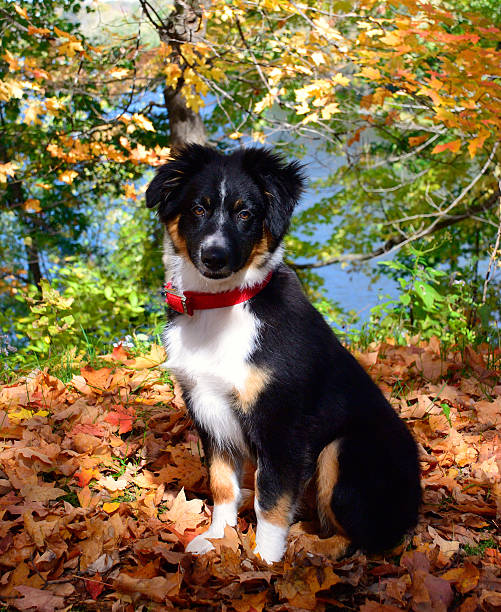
(262, 374)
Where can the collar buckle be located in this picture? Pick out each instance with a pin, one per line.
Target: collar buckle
(181, 299)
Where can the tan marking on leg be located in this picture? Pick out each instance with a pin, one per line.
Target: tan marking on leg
(280, 514)
(260, 251)
(327, 477)
(178, 242)
(222, 472)
(256, 381)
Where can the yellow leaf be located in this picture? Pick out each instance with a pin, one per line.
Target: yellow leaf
(20, 11)
(143, 122)
(370, 73)
(24, 413)
(54, 104)
(11, 89)
(119, 73)
(340, 79)
(329, 110)
(392, 39)
(34, 30)
(70, 48)
(130, 191)
(155, 357)
(63, 34)
(31, 114)
(258, 136)
(68, 176)
(8, 169)
(111, 507)
(11, 60)
(318, 58)
(235, 135)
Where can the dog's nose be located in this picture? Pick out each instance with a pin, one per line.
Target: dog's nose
(214, 257)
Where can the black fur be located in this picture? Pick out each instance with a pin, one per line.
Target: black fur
(320, 393)
(317, 391)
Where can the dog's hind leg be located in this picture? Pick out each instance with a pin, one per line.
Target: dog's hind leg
(224, 471)
(327, 477)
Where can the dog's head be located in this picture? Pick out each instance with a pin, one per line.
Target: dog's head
(225, 212)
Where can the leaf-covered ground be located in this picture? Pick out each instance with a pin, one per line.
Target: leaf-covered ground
(102, 484)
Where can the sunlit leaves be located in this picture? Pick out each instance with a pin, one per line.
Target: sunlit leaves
(453, 146)
(6, 170)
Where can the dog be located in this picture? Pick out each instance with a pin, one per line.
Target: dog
(262, 374)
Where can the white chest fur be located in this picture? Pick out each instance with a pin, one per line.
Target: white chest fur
(210, 352)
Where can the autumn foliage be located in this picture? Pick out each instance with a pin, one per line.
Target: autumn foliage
(103, 484)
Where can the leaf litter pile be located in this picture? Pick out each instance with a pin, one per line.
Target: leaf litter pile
(102, 484)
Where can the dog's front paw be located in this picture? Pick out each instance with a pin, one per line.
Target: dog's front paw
(268, 555)
(199, 545)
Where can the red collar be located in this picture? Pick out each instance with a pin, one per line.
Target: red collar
(187, 301)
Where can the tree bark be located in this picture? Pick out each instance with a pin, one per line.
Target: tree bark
(185, 24)
(33, 257)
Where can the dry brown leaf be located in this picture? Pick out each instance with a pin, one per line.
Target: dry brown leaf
(185, 514)
(156, 589)
(37, 600)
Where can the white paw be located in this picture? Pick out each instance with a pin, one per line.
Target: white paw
(269, 556)
(199, 545)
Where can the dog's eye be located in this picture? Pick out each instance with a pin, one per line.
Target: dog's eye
(244, 215)
(198, 210)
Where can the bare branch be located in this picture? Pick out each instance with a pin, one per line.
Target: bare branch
(394, 243)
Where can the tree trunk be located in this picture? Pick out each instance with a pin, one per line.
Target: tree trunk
(185, 24)
(33, 257)
(184, 123)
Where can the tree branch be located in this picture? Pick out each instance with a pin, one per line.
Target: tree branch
(395, 243)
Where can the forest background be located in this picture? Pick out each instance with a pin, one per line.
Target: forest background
(398, 101)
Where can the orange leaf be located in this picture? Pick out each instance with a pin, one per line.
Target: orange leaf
(476, 143)
(453, 146)
(417, 140)
(123, 417)
(85, 475)
(464, 578)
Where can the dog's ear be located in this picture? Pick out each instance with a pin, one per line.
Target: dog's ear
(164, 190)
(282, 184)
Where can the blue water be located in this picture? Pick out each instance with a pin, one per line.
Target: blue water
(354, 290)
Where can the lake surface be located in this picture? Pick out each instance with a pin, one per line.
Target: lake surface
(352, 290)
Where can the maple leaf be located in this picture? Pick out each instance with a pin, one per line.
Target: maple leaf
(68, 176)
(154, 358)
(85, 475)
(143, 122)
(185, 514)
(122, 417)
(453, 146)
(6, 170)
